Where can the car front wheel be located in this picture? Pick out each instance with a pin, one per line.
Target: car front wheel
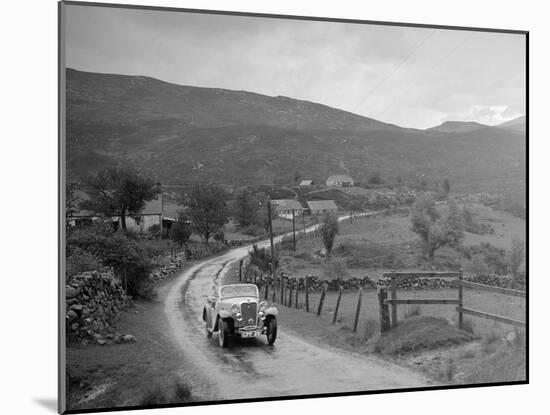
(223, 331)
(271, 330)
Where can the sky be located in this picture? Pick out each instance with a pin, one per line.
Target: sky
(412, 77)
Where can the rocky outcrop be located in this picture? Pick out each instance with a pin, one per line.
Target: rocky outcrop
(93, 303)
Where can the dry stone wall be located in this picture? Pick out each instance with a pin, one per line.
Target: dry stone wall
(93, 303)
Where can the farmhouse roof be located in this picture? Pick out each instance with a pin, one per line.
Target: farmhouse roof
(152, 207)
(287, 204)
(322, 205)
(306, 182)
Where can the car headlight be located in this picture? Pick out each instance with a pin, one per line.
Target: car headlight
(263, 306)
(261, 314)
(235, 309)
(239, 316)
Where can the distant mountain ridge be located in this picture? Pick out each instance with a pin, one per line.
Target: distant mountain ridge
(178, 133)
(457, 127)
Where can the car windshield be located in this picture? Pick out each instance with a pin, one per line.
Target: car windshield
(239, 291)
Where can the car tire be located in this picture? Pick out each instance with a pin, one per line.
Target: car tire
(271, 330)
(223, 333)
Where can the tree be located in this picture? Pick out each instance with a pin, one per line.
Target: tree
(118, 192)
(329, 229)
(516, 256)
(245, 208)
(435, 230)
(207, 210)
(297, 177)
(113, 249)
(446, 186)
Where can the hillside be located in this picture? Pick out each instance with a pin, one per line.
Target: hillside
(517, 124)
(184, 134)
(457, 127)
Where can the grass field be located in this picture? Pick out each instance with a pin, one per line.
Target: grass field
(373, 245)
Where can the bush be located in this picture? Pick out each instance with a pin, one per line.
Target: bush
(329, 229)
(180, 233)
(154, 230)
(116, 250)
(477, 266)
(335, 268)
(80, 261)
(261, 258)
(253, 230)
(375, 178)
(473, 226)
(485, 259)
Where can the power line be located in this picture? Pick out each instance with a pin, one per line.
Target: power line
(433, 68)
(415, 49)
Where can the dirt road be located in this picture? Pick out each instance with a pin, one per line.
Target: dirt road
(252, 369)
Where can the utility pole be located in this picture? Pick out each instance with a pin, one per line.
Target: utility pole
(294, 230)
(271, 234)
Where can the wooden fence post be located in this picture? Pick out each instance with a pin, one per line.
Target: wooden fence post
(289, 299)
(322, 300)
(384, 310)
(297, 291)
(282, 290)
(241, 270)
(460, 295)
(358, 310)
(306, 287)
(337, 305)
(393, 305)
(266, 282)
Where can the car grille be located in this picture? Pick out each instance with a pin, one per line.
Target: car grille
(249, 312)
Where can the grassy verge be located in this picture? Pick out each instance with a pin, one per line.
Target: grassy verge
(141, 373)
(419, 334)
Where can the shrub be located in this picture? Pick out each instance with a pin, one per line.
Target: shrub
(80, 261)
(477, 266)
(335, 268)
(253, 230)
(372, 327)
(180, 233)
(154, 230)
(375, 178)
(487, 258)
(261, 258)
(329, 229)
(473, 226)
(114, 249)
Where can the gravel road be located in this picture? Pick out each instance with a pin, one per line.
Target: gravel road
(251, 368)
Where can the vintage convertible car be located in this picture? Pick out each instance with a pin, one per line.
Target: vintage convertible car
(237, 310)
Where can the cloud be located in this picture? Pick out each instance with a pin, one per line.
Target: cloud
(407, 76)
(489, 115)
